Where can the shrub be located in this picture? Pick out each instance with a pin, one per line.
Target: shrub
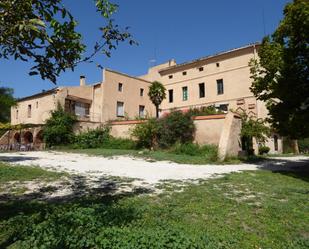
(191, 149)
(175, 127)
(166, 131)
(263, 150)
(58, 129)
(92, 138)
(204, 111)
(119, 143)
(146, 133)
(303, 145)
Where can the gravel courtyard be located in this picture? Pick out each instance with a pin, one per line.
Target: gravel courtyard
(143, 170)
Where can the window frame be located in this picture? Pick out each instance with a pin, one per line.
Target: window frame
(170, 95)
(120, 87)
(141, 92)
(139, 111)
(29, 112)
(204, 90)
(185, 94)
(220, 90)
(117, 114)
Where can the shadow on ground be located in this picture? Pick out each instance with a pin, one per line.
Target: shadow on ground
(85, 200)
(296, 168)
(15, 159)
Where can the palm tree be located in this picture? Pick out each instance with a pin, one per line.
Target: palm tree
(157, 95)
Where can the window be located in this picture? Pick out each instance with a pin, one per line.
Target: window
(185, 93)
(29, 111)
(218, 64)
(141, 111)
(81, 109)
(120, 87)
(120, 109)
(170, 96)
(170, 76)
(201, 69)
(184, 73)
(16, 114)
(220, 89)
(141, 92)
(202, 90)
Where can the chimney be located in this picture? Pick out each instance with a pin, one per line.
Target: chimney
(82, 80)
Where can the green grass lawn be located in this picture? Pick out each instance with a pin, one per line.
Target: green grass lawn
(25, 173)
(257, 209)
(159, 155)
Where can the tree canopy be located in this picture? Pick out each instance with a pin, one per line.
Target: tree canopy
(44, 32)
(6, 101)
(281, 75)
(157, 95)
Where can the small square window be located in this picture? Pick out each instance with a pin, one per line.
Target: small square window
(201, 69)
(120, 109)
(218, 64)
(120, 87)
(184, 73)
(170, 76)
(141, 92)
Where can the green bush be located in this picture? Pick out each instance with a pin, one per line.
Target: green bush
(92, 138)
(191, 149)
(146, 133)
(58, 129)
(263, 150)
(119, 143)
(166, 131)
(204, 111)
(175, 127)
(303, 145)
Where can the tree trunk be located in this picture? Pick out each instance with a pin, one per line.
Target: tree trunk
(157, 111)
(295, 146)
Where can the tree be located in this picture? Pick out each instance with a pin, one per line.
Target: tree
(157, 95)
(6, 101)
(58, 129)
(253, 128)
(281, 75)
(44, 31)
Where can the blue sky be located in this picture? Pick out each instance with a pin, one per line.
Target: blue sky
(165, 29)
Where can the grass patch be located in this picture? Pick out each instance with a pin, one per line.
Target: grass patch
(25, 173)
(242, 210)
(159, 155)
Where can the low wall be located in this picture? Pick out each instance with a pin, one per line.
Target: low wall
(208, 129)
(222, 130)
(124, 128)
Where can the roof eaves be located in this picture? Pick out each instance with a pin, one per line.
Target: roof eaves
(210, 56)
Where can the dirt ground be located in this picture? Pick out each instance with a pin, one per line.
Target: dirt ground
(121, 173)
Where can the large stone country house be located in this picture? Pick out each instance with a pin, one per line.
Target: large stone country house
(222, 80)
